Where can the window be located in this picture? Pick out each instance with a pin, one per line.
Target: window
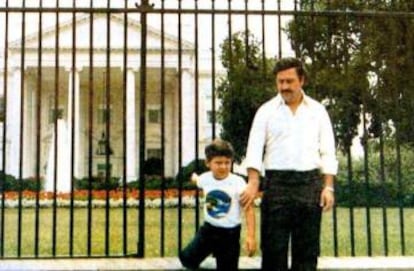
(154, 116)
(104, 115)
(154, 153)
(103, 168)
(55, 114)
(210, 116)
(2, 109)
(55, 110)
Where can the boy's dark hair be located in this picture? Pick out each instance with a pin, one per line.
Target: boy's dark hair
(288, 63)
(219, 147)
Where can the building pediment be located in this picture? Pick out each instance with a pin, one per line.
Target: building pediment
(99, 40)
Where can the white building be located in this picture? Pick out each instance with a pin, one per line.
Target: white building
(86, 83)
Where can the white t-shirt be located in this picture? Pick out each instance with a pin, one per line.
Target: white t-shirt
(222, 206)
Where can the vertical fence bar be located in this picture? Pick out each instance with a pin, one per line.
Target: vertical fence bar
(107, 88)
(334, 211)
(351, 207)
(279, 29)
(246, 33)
(263, 26)
(366, 179)
(349, 154)
(91, 92)
(398, 93)
(91, 87)
(180, 143)
(399, 178)
(213, 70)
(124, 134)
(382, 179)
(38, 132)
(21, 140)
(3, 171)
(196, 110)
(73, 97)
(4, 141)
(144, 7)
(163, 105)
(382, 175)
(55, 129)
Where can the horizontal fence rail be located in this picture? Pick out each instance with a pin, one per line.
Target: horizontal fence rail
(105, 110)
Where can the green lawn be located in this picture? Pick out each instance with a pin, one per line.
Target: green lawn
(116, 241)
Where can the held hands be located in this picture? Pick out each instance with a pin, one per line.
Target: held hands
(327, 200)
(248, 195)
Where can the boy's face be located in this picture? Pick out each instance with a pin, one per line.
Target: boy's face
(220, 166)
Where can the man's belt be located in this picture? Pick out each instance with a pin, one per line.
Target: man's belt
(292, 176)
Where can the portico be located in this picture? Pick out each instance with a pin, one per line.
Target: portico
(87, 95)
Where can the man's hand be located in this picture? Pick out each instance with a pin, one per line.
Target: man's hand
(327, 199)
(248, 195)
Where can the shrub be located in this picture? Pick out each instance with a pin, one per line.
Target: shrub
(10, 183)
(153, 182)
(97, 183)
(153, 166)
(197, 165)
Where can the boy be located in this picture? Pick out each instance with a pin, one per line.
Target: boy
(220, 233)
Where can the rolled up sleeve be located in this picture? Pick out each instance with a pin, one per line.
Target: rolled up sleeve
(329, 163)
(256, 142)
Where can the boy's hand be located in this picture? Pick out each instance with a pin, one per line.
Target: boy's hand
(250, 246)
(194, 178)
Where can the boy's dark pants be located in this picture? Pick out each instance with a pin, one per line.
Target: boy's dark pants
(223, 243)
(290, 210)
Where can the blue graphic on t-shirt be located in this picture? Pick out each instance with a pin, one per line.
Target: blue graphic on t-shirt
(217, 203)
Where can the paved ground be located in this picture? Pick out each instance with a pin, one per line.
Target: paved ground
(325, 263)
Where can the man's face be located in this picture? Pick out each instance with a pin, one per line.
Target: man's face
(289, 85)
(220, 166)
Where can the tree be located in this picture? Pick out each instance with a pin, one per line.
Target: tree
(359, 65)
(247, 85)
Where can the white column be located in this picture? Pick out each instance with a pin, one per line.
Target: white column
(30, 126)
(74, 99)
(131, 130)
(188, 117)
(14, 97)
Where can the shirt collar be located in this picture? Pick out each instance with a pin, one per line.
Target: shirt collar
(279, 100)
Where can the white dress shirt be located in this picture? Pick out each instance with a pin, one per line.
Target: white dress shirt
(282, 140)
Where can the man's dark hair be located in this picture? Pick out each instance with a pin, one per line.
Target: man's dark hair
(288, 63)
(219, 147)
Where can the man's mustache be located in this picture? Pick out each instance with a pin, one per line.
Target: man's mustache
(286, 91)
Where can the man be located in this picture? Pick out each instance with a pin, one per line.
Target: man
(291, 138)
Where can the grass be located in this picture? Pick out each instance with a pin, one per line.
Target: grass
(116, 242)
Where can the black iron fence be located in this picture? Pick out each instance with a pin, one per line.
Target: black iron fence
(106, 108)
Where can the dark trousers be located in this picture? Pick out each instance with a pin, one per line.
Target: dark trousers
(290, 211)
(223, 243)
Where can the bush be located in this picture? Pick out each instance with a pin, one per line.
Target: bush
(379, 182)
(153, 182)
(10, 183)
(153, 166)
(97, 183)
(183, 177)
